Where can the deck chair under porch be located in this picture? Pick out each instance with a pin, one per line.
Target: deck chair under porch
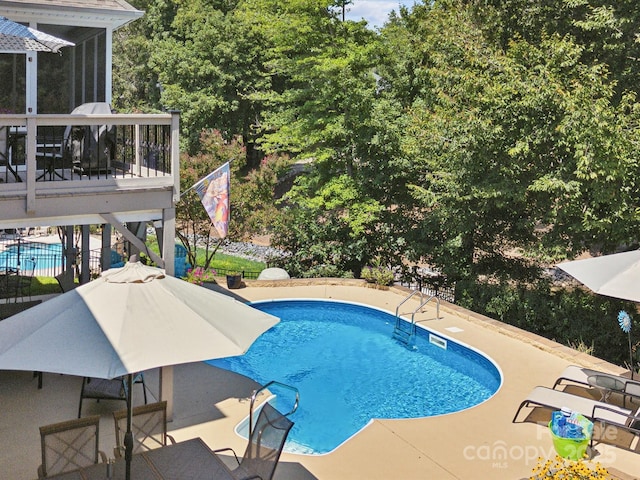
(113, 389)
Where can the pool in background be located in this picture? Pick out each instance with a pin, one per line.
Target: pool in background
(46, 255)
(349, 370)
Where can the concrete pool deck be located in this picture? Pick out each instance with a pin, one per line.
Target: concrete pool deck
(479, 443)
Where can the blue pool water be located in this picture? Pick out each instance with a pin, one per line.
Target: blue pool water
(46, 255)
(349, 370)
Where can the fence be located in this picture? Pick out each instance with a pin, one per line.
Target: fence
(48, 256)
(426, 281)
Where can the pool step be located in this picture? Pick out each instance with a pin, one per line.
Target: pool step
(404, 331)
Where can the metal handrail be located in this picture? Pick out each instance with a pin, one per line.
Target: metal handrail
(423, 302)
(402, 302)
(255, 393)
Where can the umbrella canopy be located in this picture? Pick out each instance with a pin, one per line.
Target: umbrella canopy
(129, 320)
(17, 38)
(616, 275)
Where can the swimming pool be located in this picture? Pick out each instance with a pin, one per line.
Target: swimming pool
(349, 370)
(46, 255)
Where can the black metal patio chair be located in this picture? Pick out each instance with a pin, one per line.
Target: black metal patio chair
(266, 442)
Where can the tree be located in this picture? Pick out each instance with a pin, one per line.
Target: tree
(209, 63)
(519, 152)
(136, 85)
(251, 196)
(606, 31)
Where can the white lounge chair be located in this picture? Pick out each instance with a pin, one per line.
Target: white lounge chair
(601, 412)
(581, 375)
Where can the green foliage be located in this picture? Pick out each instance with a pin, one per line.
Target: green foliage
(340, 226)
(605, 30)
(229, 263)
(377, 274)
(516, 153)
(44, 286)
(569, 317)
(200, 276)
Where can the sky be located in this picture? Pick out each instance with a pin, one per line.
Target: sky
(375, 12)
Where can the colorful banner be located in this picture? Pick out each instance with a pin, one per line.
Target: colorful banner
(213, 191)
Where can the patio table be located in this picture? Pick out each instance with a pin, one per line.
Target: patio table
(191, 459)
(606, 384)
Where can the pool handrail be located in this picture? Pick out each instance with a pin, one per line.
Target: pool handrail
(398, 331)
(255, 393)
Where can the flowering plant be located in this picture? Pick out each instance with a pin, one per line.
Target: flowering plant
(559, 468)
(199, 275)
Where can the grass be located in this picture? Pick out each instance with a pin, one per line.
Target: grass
(41, 286)
(228, 263)
(222, 264)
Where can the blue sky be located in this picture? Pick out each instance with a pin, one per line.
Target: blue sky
(374, 11)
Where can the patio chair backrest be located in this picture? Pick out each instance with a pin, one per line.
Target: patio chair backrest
(69, 445)
(266, 443)
(148, 425)
(66, 280)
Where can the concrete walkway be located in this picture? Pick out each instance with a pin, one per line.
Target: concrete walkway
(479, 443)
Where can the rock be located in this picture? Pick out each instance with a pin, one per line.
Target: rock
(273, 274)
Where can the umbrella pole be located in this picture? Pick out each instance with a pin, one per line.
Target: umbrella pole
(128, 437)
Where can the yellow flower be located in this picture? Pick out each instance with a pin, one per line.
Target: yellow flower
(562, 469)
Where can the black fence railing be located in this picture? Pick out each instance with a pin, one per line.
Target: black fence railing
(427, 282)
(16, 252)
(249, 275)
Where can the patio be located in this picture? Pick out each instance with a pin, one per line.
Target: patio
(478, 443)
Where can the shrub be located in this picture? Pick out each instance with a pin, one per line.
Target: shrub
(568, 316)
(378, 275)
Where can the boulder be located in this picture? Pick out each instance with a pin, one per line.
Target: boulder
(273, 274)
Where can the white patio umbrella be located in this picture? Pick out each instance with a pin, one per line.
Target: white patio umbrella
(17, 38)
(129, 320)
(616, 275)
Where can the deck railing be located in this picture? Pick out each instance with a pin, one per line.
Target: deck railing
(40, 149)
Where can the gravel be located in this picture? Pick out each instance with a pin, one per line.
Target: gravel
(250, 251)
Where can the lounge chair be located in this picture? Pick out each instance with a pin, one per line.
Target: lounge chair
(581, 375)
(607, 415)
(113, 389)
(266, 442)
(148, 425)
(70, 445)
